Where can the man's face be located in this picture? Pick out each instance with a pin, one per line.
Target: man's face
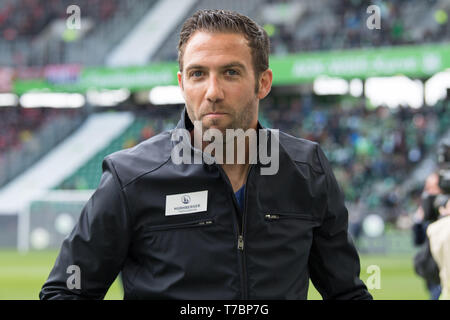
(218, 81)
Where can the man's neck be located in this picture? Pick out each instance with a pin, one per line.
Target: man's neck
(236, 172)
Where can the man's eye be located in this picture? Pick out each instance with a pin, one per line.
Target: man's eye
(196, 74)
(231, 72)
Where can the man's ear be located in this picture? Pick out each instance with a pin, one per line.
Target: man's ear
(180, 80)
(265, 83)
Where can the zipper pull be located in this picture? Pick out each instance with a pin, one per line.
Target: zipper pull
(272, 217)
(241, 242)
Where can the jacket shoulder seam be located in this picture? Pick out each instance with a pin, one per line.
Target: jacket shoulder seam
(146, 172)
(317, 154)
(309, 165)
(299, 140)
(117, 180)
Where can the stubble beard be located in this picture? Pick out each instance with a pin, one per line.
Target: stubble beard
(241, 119)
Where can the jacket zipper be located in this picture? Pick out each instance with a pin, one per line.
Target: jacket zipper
(241, 242)
(278, 216)
(191, 224)
(241, 236)
(240, 229)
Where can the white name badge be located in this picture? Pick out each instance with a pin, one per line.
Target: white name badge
(184, 203)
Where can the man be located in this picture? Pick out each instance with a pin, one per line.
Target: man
(214, 229)
(424, 263)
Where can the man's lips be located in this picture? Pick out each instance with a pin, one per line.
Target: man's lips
(215, 114)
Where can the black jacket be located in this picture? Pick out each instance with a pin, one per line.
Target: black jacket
(293, 228)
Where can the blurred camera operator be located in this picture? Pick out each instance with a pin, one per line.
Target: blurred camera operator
(426, 213)
(424, 263)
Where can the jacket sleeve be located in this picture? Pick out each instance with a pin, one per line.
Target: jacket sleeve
(92, 255)
(334, 262)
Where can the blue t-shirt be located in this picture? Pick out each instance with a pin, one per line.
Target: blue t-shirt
(240, 197)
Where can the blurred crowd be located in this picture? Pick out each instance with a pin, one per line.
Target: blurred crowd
(322, 25)
(27, 18)
(19, 125)
(343, 24)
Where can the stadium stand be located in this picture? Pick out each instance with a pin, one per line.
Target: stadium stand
(95, 47)
(88, 176)
(63, 159)
(329, 25)
(18, 124)
(320, 25)
(145, 125)
(24, 30)
(27, 134)
(168, 51)
(27, 18)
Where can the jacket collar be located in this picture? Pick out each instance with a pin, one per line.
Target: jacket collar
(185, 122)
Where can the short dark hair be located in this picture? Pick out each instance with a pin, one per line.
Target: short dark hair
(232, 22)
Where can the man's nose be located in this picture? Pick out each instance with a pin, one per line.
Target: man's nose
(214, 91)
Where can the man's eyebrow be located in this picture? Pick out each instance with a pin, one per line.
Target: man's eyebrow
(233, 65)
(195, 66)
